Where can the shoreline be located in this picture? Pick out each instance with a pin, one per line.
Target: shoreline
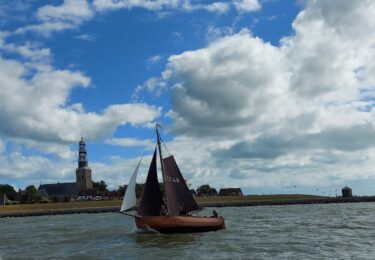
(91, 210)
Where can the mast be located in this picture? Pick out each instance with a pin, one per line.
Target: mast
(161, 163)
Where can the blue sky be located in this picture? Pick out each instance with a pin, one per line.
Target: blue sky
(271, 96)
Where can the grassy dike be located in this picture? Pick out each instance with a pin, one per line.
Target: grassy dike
(23, 210)
(114, 205)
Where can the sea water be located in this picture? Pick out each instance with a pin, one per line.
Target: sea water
(340, 231)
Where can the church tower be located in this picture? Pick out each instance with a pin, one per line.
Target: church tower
(83, 172)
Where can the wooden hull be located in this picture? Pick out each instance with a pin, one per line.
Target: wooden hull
(180, 224)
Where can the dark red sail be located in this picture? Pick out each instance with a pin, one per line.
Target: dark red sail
(152, 199)
(179, 198)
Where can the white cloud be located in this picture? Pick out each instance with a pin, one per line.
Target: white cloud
(16, 10)
(86, 37)
(247, 5)
(70, 14)
(128, 142)
(153, 85)
(154, 59)
(2, 146)
(29, 51)
(215, 33)
(216, 7)
(46, 28)
(61, 150)
(227, 84)
(17, 167)
(158, 5)
(35, 109)
(301, 112)
(74, 11)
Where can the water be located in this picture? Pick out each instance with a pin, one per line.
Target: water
(342, 231)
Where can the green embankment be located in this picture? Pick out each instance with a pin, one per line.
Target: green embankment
(253, 198)
(60, 205)
(117, 203)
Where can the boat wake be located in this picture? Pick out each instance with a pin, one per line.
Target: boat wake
(144, 230)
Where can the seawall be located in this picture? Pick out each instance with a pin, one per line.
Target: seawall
(202, 204)
(287, 202)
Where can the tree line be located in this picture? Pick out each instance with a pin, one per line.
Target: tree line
(30, 194)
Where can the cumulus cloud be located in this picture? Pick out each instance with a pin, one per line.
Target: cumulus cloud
(357, 137)
(227, 84)
(128, 142)
(247, 5)
(20, 170)
(28, 50)
(15, 10)
(70, 14)
(301, 111)
(216, 7)
(2, 146)
(215, 33)
(154, 59)
(158, 5)
(71, 10)
(35, 109)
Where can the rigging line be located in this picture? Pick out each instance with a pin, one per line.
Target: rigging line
(165, 146)
(127, 214)
(161, 139)
(165, 202)
(150, 141)
(144, 150)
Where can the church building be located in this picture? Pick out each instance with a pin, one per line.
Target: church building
(83, 172)
(68, 191)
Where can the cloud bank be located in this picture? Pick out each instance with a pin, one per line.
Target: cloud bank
(303, 109)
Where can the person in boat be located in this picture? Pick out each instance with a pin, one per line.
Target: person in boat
(163, 211)
(183, 212)
(214, 214)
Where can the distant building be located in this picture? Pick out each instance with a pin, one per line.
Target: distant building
(346, 192)
(3, 199)
(70, 190)
(59, 192)
(192, 191)
(83, 172)
(230, 192)
(42, 194)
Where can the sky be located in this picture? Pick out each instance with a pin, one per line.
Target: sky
(272, 96)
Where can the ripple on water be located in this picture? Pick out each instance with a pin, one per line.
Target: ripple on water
(268, 232)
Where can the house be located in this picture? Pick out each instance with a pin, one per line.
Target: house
(60, 192)
(192, 191)
(3, 199)
(43, 195)
(230, 192)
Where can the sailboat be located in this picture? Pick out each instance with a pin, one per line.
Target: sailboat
(170, 211)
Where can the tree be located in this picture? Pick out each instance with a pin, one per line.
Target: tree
(121, 190)
(203, 190)
(31, 194)
(139, 188)
(8, 190)
(100, 186)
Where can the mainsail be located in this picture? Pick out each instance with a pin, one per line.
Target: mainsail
(130, 201)
(152, 199)
(179, 198)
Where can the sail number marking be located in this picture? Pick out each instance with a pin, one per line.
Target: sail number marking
(171, 179)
